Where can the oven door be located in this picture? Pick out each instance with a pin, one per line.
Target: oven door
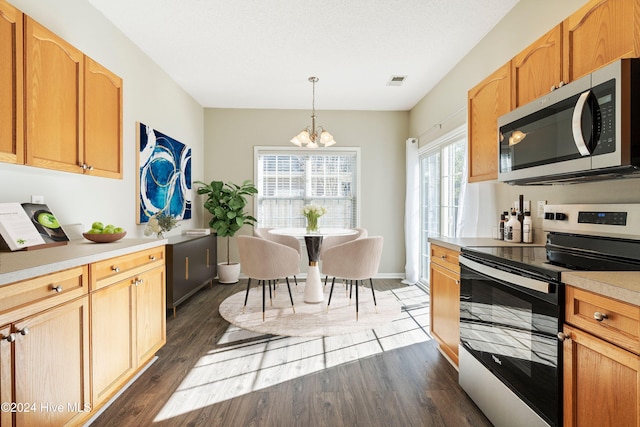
(512, 330)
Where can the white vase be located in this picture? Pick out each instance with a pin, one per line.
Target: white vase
(228, 273)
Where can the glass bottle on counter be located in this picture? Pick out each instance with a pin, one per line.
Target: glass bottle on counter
(503, 219)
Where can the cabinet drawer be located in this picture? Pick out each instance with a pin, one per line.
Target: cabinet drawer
(112, 270)
(29, 296)
(619, 324)
(445, 257)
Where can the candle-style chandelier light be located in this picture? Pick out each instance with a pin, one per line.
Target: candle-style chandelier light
(313, 137)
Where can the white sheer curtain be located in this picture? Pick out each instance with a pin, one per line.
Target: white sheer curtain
(412, 213)
(475, 198)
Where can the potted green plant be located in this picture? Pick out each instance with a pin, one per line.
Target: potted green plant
(226, 201)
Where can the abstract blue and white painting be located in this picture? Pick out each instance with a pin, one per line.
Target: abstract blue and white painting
(165, 175)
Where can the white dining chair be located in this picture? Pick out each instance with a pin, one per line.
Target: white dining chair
(267, 261)
(331, 241)
(291, 241)
(354, 261)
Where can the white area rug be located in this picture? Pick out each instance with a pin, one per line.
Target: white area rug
(310, 320)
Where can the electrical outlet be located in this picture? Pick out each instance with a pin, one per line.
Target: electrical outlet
(37, 199)
(541, 204)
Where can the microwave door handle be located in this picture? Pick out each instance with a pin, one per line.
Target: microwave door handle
(576, 124)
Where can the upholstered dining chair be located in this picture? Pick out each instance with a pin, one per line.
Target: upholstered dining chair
(331, 241)
(355, 261)
(264, 260)
(292, 242)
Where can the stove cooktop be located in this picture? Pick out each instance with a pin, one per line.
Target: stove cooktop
(523, 259)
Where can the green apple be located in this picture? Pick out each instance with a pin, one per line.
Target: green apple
(97, 225)
(118, 230)
(48, 220)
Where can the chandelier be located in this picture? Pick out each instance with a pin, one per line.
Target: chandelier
(311, 136)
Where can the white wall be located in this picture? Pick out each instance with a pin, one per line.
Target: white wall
(446, 105)
(150, 96)
(231, 134)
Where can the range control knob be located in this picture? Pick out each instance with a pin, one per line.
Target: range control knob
(549, 215)
(560, 216)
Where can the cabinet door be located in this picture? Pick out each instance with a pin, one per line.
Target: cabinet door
(11, 81)
(445, 310)
(538, 68)
(490, 99)
(53, 100)
(601, 382)
(600, 32)
(51, 365)
(102, 121)
(112, 339)
(6, 376)
(150, 313)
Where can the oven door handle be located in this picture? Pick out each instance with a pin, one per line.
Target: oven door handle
(505, 276)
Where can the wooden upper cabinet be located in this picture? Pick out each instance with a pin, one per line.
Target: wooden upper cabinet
(488, 100)
(600, 32)
(53, 100)
(537, 69)
(103, 121)
(11, 81)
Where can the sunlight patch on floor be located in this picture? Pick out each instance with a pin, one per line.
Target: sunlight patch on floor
(259, 361)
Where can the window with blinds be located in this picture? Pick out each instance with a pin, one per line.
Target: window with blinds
(287, 180)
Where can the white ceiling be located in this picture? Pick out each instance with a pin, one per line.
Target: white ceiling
(260, 53)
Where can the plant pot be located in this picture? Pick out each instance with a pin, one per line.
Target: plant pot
(228, 273)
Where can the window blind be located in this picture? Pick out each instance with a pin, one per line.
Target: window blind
(287, 180)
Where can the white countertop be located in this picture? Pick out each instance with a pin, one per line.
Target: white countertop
(21, 265)
(457, 243)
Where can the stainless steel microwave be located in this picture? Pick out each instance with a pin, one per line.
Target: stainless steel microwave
(586, 130)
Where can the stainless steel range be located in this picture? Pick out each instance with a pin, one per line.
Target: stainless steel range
(512, 302)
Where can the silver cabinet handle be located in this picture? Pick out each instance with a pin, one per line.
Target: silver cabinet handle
(57, 289)
(600, 316)
(24, 331)
(563, 337)
(9, 338)
(116, 269)
(152, 257)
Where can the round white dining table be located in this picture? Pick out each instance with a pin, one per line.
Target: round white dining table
(313, 292)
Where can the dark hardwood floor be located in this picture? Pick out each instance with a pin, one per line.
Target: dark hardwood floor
(409, 386)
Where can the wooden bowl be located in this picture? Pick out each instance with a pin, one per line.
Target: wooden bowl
(104, 238)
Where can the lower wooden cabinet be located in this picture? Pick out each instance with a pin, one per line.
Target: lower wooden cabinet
(50, 361)
(601, 382)
(128, 326)
(601, 361)
(150, 314)
(445, 300)
(71, 339)
(113, 330)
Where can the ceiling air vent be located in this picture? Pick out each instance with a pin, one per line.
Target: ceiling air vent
(396, 80)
